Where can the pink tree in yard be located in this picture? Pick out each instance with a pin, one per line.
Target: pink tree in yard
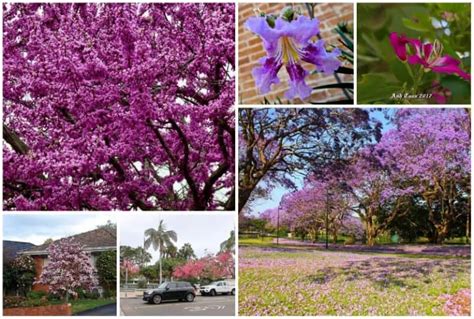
(69, 269)
(118, 106)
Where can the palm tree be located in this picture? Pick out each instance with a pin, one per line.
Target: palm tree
(170, 252)
(160, 239)
(186, 252)
(229, 244)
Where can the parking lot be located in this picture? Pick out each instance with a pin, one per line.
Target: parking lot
(202, 306)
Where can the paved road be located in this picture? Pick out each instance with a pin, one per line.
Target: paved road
(107, 310)
(202, 306)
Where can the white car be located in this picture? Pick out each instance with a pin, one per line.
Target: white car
(223, 287)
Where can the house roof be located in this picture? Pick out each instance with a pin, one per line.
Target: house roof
(12, 248)
(99, 239)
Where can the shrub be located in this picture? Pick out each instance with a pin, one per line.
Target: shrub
(141, 284)
(20, 301)
(107, 270)
(350, 240)
(36, 294)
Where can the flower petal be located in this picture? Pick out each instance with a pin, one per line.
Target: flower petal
(449, 65)
(301, 30)
(399, 45)
(266, 74)
(298, 86)
(316, 54)
(270, 36)
(439, 98)
(416, 59)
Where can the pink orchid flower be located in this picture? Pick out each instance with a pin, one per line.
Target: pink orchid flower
(429, 55)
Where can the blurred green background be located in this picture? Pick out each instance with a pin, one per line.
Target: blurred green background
(381, 73)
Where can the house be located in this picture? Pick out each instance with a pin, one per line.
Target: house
(11, 249)
(94, 242)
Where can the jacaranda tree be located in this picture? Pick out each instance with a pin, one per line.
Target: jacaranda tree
(118, 106)
(276, 144)
(416, 175)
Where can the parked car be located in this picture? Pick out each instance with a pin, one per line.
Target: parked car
(223, 287)
(176, 290)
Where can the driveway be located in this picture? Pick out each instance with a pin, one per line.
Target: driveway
(202, 306)
(107, 310)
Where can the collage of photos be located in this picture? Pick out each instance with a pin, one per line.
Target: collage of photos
(236, 158)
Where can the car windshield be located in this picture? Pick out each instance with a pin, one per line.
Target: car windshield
(214, 283)
(163, 285)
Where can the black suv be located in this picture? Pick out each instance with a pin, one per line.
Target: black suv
(176, 290)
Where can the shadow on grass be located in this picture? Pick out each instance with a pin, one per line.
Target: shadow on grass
(392, 272)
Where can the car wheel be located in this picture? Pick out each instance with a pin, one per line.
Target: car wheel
(232, 292)
(213, 292)
(189, 297)
(156, 299)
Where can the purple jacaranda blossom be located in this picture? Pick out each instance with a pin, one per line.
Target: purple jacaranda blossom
(429, 55)
(288, 43)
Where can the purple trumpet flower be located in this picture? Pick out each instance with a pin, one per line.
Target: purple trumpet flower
(288, 43)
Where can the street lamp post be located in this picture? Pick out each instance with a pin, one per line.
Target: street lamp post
(278, 225)
(327, 218)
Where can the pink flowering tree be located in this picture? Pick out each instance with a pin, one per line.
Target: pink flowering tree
(211, 267)
(69, 269)
(118, 106)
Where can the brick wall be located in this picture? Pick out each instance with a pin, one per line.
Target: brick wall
(39, 262)
(53, 310)
(251, 50)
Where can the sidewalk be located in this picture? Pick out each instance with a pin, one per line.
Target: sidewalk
(107, 310)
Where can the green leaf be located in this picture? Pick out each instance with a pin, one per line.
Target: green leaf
(346, 41)
(418, 22)
(400, 70)
(376, 87)
(460, 89)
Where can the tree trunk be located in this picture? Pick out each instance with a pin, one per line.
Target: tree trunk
(370, 230)
(161, 275)
(244, 195)
(468, 228)
(334, 236)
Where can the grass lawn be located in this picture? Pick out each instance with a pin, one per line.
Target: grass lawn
(86, 304)
(298, 282)
(261, 241)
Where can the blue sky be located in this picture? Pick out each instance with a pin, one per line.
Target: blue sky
(277, 193)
